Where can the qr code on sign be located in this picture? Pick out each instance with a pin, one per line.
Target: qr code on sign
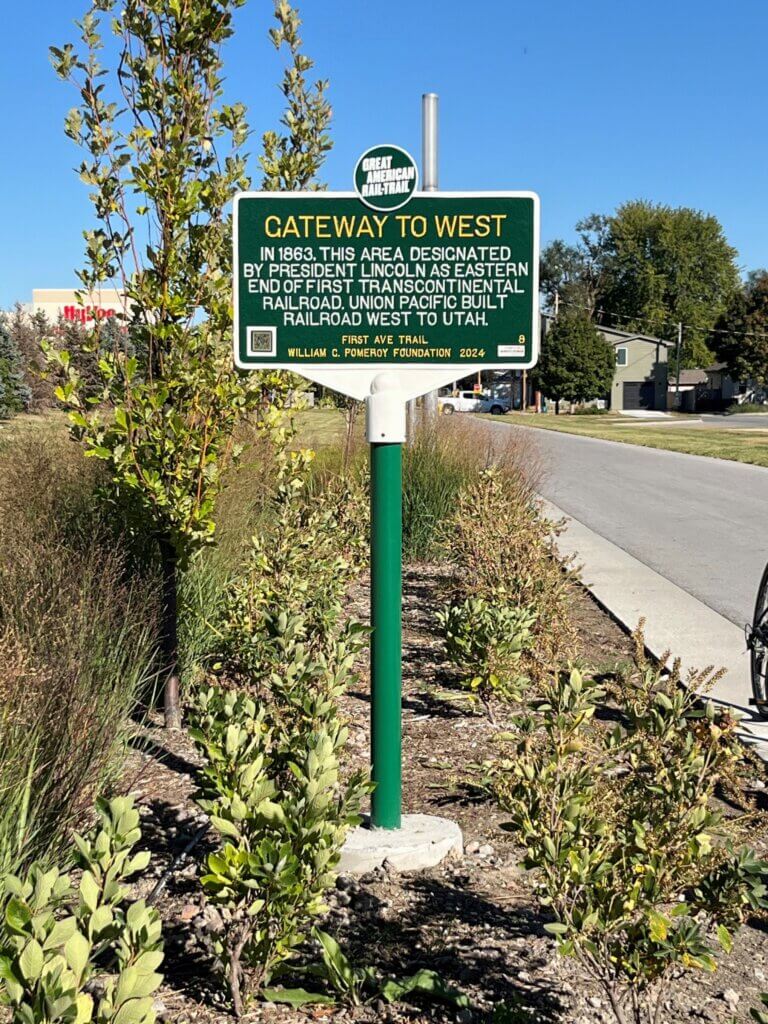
(262, 341)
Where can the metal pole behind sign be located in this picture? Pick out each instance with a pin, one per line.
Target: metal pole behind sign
(429, 142)
(429, 184)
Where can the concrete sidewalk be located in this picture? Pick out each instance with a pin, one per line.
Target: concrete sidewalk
(674, 620)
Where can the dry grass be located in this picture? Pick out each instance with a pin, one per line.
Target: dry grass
(77, 640)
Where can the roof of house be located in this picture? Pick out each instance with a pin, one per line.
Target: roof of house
(688, 377)
(617, 337)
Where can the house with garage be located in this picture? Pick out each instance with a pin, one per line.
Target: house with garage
(640, 380)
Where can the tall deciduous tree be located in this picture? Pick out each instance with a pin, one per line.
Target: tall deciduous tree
(743, 343)
(576, 363)
(163, 160)
(577, 273)
(291, 159)
(647, 268)
(667, 266)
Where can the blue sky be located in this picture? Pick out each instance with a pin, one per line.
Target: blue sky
(588, 104)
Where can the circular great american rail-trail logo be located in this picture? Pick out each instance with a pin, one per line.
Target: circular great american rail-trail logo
(386, 177)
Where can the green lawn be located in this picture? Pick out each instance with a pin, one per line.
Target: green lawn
(720, 443)
(317, 428)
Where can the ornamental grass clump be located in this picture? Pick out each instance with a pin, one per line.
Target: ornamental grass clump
(72, 952)
(635, 864)
(78, 637)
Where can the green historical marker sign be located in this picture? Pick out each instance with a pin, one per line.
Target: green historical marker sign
(339, 280)
(384, 294)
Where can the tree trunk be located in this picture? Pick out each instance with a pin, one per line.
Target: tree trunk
(169, 635)
(557, 406)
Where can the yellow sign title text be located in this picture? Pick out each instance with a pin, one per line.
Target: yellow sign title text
(366, 225)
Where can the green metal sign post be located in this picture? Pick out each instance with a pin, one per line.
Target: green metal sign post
(386, 294)
(386, 637)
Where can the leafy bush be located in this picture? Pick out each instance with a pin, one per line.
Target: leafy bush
(291, 588)
(271, 734)
(85, 953)
(486, 639)
(619, 827)
(77, 643)
(276, 799)
(503, 549)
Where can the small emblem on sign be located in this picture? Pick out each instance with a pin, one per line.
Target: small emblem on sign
(386, 177)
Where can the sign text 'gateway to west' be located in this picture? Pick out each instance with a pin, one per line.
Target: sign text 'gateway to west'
(449, 280)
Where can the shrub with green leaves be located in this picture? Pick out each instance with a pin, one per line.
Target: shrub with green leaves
(282, 812)
(271, 733)
(630, 855)
(72, 954)
(503, 548)
(486, 640)
(291, 588)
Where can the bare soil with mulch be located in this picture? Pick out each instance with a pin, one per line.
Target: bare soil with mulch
(476, 920)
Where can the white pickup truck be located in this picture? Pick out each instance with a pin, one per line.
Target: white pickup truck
(472, 401)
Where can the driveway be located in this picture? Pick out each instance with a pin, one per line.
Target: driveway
(738, 421)
(699, 522)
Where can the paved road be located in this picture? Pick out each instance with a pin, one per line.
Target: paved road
(701, 523)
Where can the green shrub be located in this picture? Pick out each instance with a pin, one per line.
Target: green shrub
(291, 589)
(502, 548)
(14, 394)
(486, 640)
(735, 408)
(629, 853)
(61, 942)
(271, 735)
(276, 799)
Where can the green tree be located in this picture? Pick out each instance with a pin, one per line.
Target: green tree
(667, 266)
(576, 273)
(576, 362)
(743, 345)
(647, 267)
(14, 393)
(291, 161)
(163, 158)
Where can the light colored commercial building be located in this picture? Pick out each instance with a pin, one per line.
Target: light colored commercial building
(63, 302)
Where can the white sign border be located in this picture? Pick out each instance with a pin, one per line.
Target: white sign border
(416, 378)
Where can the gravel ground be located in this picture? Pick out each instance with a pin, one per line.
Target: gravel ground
(475, 920)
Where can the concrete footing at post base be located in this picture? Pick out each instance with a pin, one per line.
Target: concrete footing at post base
(421, 842)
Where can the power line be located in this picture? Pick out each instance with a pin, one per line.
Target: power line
(668, 323)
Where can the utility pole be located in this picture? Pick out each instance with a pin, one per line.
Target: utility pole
(677, 360)
(429, 184)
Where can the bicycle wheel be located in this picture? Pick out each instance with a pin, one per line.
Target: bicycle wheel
(758, 644)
